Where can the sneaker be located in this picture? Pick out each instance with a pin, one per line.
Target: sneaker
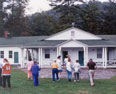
(74, 80)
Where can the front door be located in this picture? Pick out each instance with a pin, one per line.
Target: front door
(81, 58)
(64, 54)
(16, 57)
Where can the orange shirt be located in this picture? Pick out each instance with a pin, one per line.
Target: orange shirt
(54, 65)
(6, 69)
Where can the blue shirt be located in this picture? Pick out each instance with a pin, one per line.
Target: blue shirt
(35, 69)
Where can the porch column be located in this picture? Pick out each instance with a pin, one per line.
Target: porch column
(105, 64)
(22, 54)
(103, 56)
(85, 55)
(58, 51)
(41, 55)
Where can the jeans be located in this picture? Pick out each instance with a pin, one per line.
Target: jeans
(54, 71)
(76, 76)
(69, 74)
(35, 79)
(6, 79)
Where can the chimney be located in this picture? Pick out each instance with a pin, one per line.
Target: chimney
(6, 34)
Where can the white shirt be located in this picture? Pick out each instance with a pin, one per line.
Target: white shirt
(58, 61)
(65, 60)
(76, 67)
(69, 66)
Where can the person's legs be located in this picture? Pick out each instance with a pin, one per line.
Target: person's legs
(91, 77)
(8, 81)
(4, 81)
(69, 74)
(29, 74)
(34, 79)
(53, 74)
(77, 76)
(0, 77)
(57, 74)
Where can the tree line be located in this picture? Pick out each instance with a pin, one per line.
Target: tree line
(93, 16)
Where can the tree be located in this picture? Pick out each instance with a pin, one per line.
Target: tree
(109, 24)
(91, 18)
(2, 16)
(17, 23)
(43, 24)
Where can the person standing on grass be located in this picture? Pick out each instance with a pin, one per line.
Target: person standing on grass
(76, 67)
(91, 67)
(59, 62)
(29, 65)
(0, 74)
(69, 69)
(54, 67)
(6, 73)
(35, 73)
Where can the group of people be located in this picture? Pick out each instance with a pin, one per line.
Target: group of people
(5, 74)
(57, 69)
(33, 71)
(70, 67)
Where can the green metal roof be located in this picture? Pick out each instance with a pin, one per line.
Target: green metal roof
(37, 41)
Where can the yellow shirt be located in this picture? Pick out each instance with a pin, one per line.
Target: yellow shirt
(54, 65)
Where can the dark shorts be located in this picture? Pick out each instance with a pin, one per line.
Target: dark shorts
(59, 70)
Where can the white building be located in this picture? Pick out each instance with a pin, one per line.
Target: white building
(79, 44)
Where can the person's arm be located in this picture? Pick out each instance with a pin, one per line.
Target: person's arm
(95, 66)
(39, 68)
(87, 66)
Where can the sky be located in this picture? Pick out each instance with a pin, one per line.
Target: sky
(39, 6)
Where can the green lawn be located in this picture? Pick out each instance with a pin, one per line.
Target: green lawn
(21, 85)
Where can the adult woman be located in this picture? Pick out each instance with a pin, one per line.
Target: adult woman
(6, 73)
(29, 65)
(69, 70)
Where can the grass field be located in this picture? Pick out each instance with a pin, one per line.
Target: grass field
(21, 85)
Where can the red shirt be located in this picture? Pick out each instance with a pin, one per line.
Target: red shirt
(6, 69)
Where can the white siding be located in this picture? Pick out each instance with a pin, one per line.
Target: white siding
(79, 35)
(6, 54)
(73, 44)
(53, 55)
(93, 54)
(73, 53)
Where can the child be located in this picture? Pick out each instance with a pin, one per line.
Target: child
(54, 67)
(76, 67)
(35, 73)
(6, 73)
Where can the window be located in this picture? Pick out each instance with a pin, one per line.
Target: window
(1, 54)
(47, 53)
(99, 53)
(10, 54)
(72, 33)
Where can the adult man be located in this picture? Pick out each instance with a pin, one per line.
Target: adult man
(91, 67)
